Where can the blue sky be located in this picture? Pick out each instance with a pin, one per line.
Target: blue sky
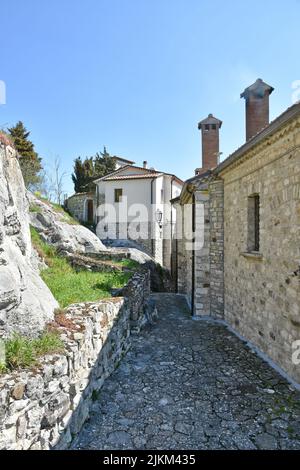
(138, 75)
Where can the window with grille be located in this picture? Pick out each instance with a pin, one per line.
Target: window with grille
(254, 223)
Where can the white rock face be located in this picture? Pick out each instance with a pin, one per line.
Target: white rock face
(129, 246)
(26, 303)
(55, 230)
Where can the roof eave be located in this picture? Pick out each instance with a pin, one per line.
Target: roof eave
(268, 131)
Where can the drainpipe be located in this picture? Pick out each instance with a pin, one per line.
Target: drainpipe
(171, 232)
(152, 199)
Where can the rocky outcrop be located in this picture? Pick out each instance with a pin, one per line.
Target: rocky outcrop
(26, 304)
(56, 229)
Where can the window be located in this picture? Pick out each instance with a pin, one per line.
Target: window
(118, 195)
(162, 196)
(207, 127)
(214, 127)
(254, 223)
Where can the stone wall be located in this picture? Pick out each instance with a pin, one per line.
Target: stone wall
(184, 253)
(207, 259)
(137, 293)
(216, 191)
(46, 407)
(202, 253)
(262, 291)
(76, 205)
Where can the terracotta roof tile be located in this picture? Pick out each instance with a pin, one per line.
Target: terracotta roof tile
(132, 177)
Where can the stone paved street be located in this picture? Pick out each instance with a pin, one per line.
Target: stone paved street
(189, 384)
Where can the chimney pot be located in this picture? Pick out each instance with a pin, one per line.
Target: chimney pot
(210, 128)
(257, 107)
(145, 164)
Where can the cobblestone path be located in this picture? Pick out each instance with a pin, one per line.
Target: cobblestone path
(189, 384)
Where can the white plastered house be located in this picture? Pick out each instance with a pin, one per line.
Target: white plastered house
(134, 204)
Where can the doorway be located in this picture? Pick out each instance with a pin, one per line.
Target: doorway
(90, 212)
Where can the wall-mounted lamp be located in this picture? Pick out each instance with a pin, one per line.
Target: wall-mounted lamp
(159, 216)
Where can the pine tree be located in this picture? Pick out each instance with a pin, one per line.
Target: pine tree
(104, 164)
(29, 160)
(86, 171)
(78, 175)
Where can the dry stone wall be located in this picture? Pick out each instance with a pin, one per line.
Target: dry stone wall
(45, 408)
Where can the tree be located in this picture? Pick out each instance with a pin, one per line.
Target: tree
(29, 160)
(104, 163)
(56, 181)
(86, 171)
(83, 174)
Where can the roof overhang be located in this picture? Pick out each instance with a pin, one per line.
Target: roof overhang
(288, 115)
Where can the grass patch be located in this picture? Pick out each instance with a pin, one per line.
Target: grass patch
(48, 343)
(35, 208)
(23, 352)
(67, 218)
(47, 252)
(3, 368)
(70, 286)
(128, 264)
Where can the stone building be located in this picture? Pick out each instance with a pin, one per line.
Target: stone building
(244, 214)
(82, 206)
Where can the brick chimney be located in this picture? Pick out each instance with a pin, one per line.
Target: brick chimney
(257, 107)
(210, 128)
